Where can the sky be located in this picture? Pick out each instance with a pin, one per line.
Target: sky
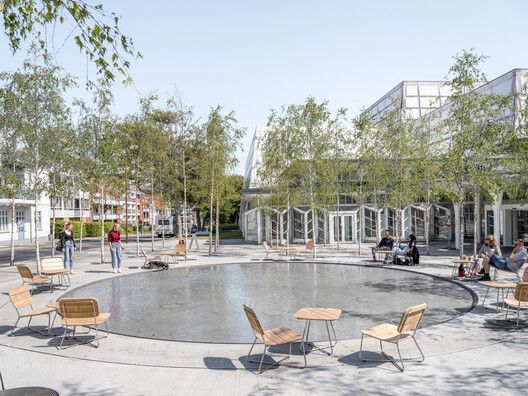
(251, 56)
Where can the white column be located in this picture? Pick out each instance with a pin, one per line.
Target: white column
(305, 216)
(402, 232)
(259, 228)
(497, 217)
(456, 215)
(378, 228)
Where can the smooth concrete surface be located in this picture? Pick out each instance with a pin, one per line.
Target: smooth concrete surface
(475, 353)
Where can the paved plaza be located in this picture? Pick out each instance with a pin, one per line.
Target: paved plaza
(473, 352)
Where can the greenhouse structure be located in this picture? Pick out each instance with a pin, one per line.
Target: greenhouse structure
(506, 219)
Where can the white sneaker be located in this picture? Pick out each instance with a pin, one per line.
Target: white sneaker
(115, 271)
(119, 270)
(71, 272)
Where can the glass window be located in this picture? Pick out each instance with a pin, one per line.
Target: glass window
(3, 220)
(19, 215)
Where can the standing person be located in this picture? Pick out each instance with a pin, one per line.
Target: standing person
(68, 246)
(114, 242)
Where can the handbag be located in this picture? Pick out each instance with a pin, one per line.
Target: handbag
(59, 247)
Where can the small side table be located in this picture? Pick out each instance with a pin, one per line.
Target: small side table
(466, 262)
(328, 315)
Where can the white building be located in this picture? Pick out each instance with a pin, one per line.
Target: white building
(417, 99)
(24, 215)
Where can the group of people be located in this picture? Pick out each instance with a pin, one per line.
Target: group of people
(491, 256)
(67, 246)
(387, 244)
(488, 256)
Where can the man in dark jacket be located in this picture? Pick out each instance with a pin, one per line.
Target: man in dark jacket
(386, 244)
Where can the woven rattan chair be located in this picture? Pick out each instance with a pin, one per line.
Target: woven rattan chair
(77, 312)
(395, 334)
(31, 280)
(272, 337)
(519, 301)
(21, 299)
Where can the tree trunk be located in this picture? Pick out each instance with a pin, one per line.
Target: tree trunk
(37, 246)
(277, 229)
(126, 211)
(101, 223)
(426, 226)
(81, 222)
(211, 221)
(476, 225)
(53, 223)
(462, 228)
(217, 224)
(288, 219)
(338, 208)
(152, 217)
(13, 227)
(137, 220)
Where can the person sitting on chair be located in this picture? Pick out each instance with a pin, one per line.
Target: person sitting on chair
(397, 251)
(512, 263)
(386, 244)
(490, 245)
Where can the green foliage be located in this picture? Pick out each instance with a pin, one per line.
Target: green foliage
(96, 33)
(90, 229)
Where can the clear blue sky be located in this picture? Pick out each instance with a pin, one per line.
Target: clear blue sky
(251, 56)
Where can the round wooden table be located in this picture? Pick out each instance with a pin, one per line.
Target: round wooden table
(328, 315)
(466, 262)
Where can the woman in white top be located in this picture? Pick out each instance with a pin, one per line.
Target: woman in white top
(490, 245)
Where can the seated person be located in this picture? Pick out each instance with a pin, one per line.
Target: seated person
(396, 251)
(490, 245)
(512, 263)
(386, 244)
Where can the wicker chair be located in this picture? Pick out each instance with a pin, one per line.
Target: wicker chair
(272, 337)
(395, 334)
(82, 312)
(31, 280)
(21, 299)
(519, 301)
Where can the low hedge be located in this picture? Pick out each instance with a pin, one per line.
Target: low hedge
(91, 229)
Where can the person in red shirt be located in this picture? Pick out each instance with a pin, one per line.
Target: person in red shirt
(114, 242)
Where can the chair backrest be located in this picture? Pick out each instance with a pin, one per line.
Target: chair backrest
(79, 307)
(310, 244)
(25, 272)
(253, 321)
(411, 319)
(266, 246)
(49, 264)
(179, 248)
(20, 296)
(521, 292)
(525, 275)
